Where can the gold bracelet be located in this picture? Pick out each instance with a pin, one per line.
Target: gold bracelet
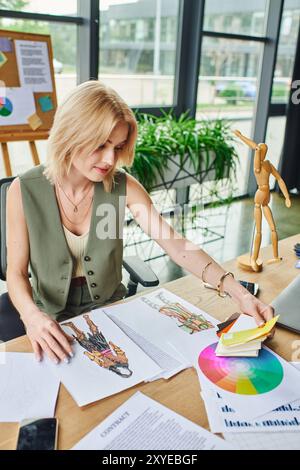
(203, 271)
(220, 289)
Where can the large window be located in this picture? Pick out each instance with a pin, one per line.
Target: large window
(274, 140)
(230, 68)
(228, 79)
(138, 49)
(232, 16)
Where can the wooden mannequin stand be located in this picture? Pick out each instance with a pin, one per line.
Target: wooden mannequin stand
(262, 171)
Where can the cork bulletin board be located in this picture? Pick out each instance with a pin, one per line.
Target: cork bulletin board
(27, 86)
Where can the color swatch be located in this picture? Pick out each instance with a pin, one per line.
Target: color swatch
(245, 336)
(6, 107)
(244, 376)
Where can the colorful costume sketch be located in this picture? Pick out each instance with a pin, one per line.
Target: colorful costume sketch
(190, 322)
(105, 354)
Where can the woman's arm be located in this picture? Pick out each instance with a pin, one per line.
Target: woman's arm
(45, 334)
(186, 254)
(19, 287)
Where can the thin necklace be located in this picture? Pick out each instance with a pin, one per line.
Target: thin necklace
(75, 223)
(75, 205)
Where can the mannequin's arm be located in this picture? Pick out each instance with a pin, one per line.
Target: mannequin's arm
(282, 185)
(246, 140)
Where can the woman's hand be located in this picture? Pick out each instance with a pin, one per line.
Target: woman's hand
(248, 303)
(261, 312)
(46, 336)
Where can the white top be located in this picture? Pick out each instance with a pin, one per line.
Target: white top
(77, 244)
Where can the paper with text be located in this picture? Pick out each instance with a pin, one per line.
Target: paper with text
(33, 65)
(144, 424)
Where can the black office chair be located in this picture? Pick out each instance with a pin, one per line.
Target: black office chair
(139, 272)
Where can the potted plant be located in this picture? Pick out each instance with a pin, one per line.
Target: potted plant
(175, 152)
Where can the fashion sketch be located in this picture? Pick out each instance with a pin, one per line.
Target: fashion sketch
(105, 354)
(188, 321)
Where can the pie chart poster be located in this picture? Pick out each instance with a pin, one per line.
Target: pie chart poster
(16, 105)
(252, 386)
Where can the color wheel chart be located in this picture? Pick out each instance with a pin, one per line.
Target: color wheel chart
(6, 107)
(241, 375)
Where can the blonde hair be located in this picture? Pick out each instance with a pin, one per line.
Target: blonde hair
(83, 122)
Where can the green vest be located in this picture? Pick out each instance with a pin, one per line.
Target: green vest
(51, 262)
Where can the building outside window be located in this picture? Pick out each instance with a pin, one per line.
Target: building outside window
(230, 69)
(138, 41)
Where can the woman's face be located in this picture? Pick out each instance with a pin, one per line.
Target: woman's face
(98, 164)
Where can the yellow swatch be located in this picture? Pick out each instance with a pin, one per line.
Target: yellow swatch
(241, 337)
(3, 59)
(34, 121)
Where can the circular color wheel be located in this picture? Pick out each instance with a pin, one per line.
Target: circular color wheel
(6, 107)
(241, 375)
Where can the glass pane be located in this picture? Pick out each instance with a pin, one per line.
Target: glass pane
(286, 51)
(228, 82)
(138, 49)
(64, 43)
(230, 16)
(51, 7)
(274, 140)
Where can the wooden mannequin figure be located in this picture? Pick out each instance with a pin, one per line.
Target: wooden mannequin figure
(262, 171)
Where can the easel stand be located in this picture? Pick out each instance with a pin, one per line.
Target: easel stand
(4, 140)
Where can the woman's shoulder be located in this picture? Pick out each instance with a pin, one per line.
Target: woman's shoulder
(135, 190)
(32, 173)
(14, 190)
(19, 183)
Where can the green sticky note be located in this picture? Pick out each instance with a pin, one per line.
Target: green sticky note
(46, 103)
(3, 59)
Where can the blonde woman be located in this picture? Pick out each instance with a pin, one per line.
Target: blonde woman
(59, 215)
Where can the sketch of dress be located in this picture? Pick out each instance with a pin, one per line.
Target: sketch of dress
(189, 322)
(106, 354)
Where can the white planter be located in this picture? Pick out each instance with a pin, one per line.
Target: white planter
(175, 178)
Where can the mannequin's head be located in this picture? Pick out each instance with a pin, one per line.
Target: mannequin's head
(263, 151)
